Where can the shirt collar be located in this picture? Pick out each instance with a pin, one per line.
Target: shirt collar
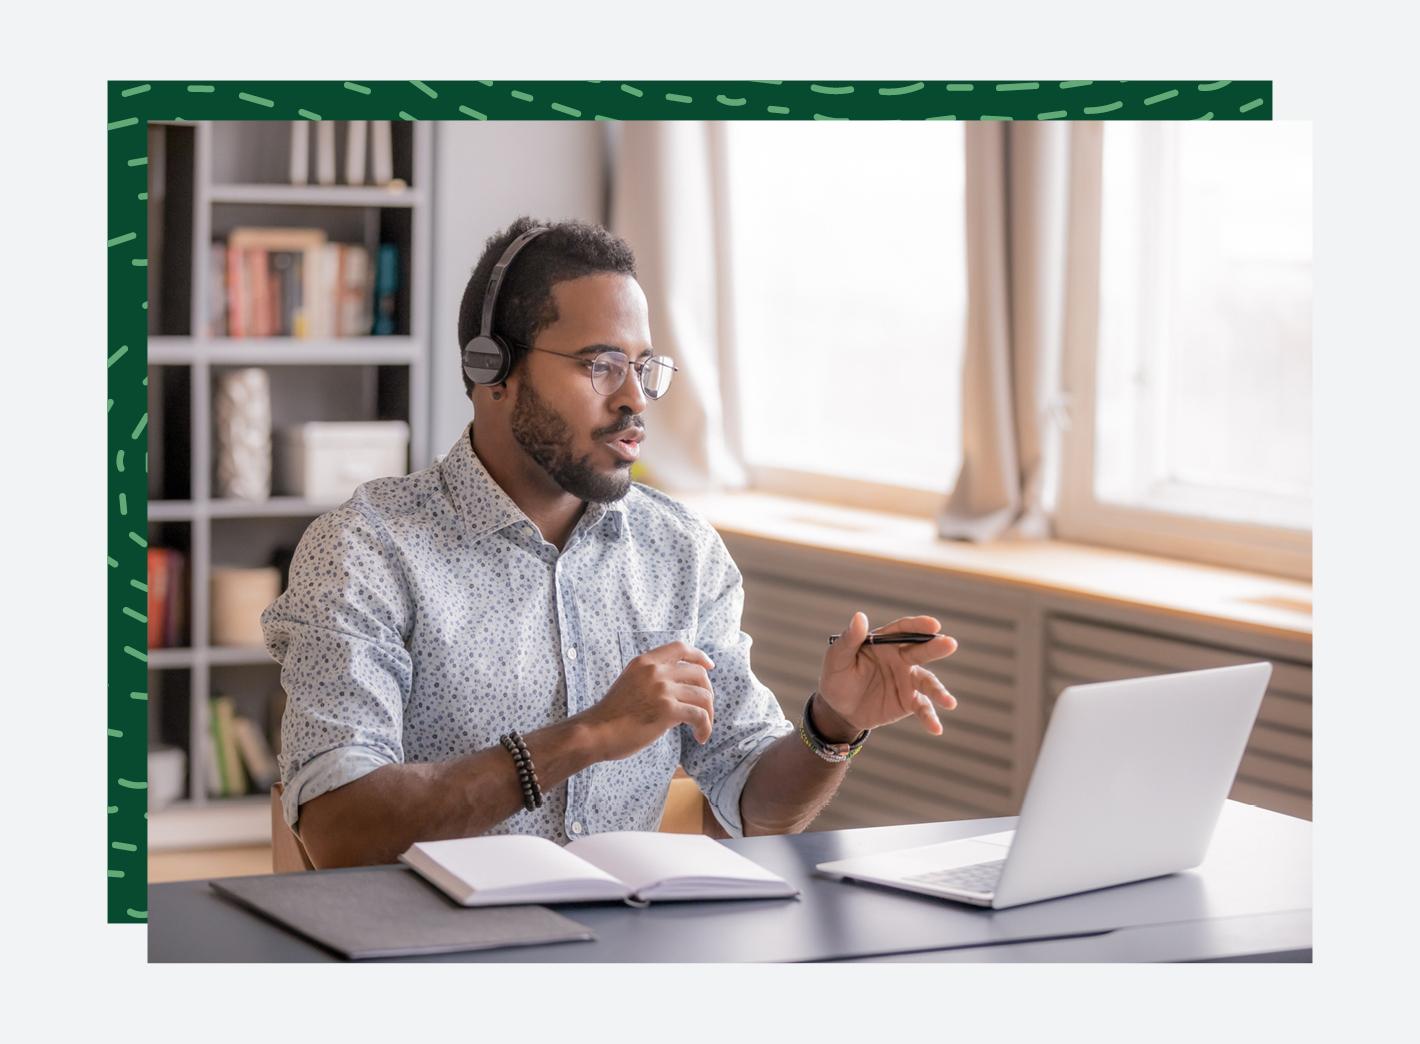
(486, 508)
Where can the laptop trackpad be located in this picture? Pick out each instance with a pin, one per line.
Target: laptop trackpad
(942, 856)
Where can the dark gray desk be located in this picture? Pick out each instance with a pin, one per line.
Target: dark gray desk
(1250, 900)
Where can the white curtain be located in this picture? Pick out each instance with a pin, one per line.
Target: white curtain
(664, 205)
(1017, 181)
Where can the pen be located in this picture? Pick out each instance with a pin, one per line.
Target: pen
(896, 638)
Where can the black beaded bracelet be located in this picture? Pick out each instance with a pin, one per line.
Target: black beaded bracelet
(531, 788)
(824, 748)
(514, 745)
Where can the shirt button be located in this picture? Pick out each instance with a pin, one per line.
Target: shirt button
(571, 652)
(576, 826)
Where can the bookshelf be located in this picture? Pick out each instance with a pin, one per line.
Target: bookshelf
(205, 179)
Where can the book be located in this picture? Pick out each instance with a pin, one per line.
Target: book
(354, 311)
(387, 911)
(300, 152)
(325, 153)
(224, 739)
(381, 153)
(167, 597)
(323, 291)
(216, 778)
(158, 586)
(275, 304)
(213, 767)
(283, 285)
(291, 282)
(386, 289)
(258, 298)
(256, 753)
(355, 152)
(237, 308)
(636, 866)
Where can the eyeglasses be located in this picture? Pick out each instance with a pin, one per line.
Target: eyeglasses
(609, 368)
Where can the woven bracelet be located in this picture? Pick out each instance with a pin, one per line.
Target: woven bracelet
(824, 748)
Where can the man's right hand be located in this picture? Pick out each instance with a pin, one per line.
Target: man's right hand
(656, 691)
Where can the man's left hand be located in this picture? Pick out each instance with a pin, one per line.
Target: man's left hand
(868, 686)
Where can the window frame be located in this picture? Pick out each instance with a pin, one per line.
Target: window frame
(845, 492)
(793, 483)
(1079, 515)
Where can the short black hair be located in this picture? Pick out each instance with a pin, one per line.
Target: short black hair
(567, 250)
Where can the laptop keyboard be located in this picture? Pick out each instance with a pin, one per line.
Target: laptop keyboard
(979, 878)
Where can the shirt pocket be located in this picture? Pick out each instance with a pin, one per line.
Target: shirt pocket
(634, 643)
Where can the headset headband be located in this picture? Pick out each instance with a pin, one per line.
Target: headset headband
(490, 296)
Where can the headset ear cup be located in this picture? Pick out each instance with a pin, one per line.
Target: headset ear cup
(487, 360)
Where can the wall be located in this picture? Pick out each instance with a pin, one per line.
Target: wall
(485, 175)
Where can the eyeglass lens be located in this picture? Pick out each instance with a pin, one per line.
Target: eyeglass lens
(609, 372)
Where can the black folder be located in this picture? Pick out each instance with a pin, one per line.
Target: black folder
(390, 911)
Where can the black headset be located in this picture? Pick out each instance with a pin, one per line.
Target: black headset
(487, 358)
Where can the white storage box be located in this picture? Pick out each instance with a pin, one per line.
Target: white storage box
(324, 461)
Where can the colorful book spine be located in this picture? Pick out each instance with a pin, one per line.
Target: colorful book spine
(282, 282)
(386, 290)
(327, 288)
(157, 598)
(218, 751)
(323, 290)
(236, 297)
(256, 753)
(167, 597)
(258, 309)
(355, 312)
(296, 318)
(224, 738)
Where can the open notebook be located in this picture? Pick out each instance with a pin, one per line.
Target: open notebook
(625, 865)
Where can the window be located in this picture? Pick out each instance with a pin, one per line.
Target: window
(847, 270)
(1194, 394)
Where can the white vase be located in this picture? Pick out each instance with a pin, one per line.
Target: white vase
(242, 425)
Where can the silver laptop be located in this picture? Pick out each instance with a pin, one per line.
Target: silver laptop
(1129, 784)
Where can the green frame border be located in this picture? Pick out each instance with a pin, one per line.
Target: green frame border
(132, 104)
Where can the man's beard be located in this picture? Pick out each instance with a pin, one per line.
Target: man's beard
(545, 437)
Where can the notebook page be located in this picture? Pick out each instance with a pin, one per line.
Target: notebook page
(644, 858)
(511, 861)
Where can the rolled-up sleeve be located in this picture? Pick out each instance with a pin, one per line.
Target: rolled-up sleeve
(338, 632)
(747, 716)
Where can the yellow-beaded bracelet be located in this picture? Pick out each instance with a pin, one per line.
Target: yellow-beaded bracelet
(829, 751)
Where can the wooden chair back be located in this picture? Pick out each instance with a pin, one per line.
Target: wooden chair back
(687, 811)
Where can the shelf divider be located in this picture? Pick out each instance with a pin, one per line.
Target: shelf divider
(318, 195)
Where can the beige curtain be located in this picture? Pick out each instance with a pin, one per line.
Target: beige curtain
(664, 204)
(1017, 180)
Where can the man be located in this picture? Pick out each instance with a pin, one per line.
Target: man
(519, 639)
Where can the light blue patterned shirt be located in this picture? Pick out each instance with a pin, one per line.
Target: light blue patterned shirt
(427, 616)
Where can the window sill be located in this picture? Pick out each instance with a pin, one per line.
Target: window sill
(1256, 602)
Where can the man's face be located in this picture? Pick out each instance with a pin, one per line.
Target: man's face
(564, 424)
